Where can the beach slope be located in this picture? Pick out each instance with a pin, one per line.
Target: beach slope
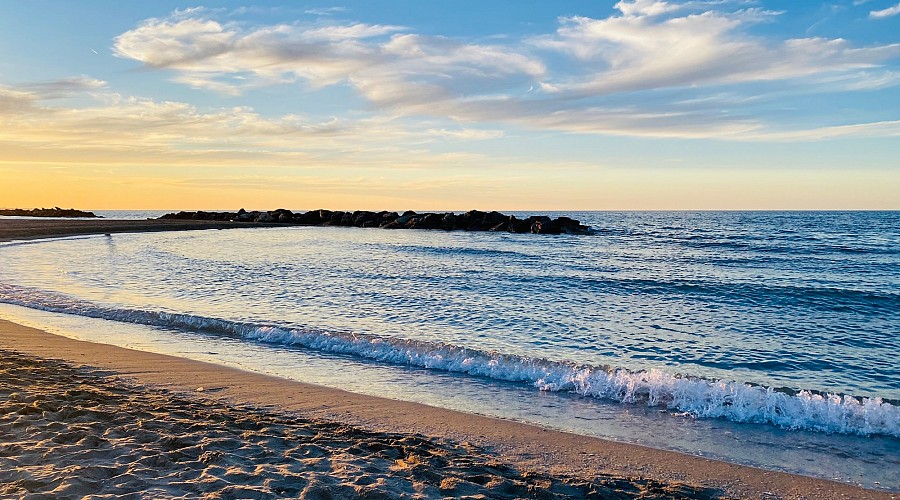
(83, 417)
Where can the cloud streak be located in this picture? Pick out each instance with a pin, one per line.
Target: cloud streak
(888, 12)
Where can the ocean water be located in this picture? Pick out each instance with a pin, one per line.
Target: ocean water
(767, 338)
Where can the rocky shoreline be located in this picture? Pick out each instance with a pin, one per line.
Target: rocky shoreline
(473, 220)
(48, 212)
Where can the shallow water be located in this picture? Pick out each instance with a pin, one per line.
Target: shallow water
(701, 314)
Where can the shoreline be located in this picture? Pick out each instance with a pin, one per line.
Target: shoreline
(527, 447)
(73, 431)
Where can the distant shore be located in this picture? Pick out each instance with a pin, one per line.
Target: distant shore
(369, 444)
(48, 212)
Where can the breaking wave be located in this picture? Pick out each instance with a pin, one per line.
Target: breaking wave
(696, 396)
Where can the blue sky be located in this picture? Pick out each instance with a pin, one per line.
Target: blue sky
(633, 104)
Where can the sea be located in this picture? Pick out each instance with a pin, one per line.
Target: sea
(764, 338)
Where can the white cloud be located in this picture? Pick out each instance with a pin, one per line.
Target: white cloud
(627, 54)
(590, 75)
(888, 12)
(644, 7)
(177, 44)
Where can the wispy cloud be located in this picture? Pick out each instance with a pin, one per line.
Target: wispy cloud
(326, 11)
(106, 127)
(879, 129)
(888, 12)
(66, 87)
(591, 75)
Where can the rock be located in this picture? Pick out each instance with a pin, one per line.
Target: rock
(282, 215)
(572, 226)
(248, 216)
(494, 218)
(545, 225)
(364, 218)
(449, 222)
(427, 221)
(314, 217)
(387, 218)
(336, 218)
(179, 216)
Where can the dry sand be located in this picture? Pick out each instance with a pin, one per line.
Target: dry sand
(79, 418)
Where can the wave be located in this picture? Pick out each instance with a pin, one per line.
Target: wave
(696, 396)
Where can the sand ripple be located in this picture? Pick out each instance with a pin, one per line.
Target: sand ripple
(73, 432)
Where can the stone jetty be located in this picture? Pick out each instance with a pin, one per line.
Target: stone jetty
(473, 220)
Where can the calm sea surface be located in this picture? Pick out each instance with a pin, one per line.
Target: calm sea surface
(779, 330)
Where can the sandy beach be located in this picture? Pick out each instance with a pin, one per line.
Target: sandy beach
(80, 418)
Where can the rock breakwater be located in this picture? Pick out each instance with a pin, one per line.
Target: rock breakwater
(473, 220)
(47, 212)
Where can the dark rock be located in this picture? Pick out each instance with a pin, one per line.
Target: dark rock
(313, 217)
(449, 222)
(427, 221)
(282, 215)
(179, 216)
(336, 218)
(387, 218)
(494, 218)
(571, 226)
(547, 226)
(363, 218)
(514, 225)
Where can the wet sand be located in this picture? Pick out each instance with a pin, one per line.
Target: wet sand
(79, 418)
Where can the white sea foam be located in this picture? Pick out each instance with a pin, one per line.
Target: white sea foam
(739, 402)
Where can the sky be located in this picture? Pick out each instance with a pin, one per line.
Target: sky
(453, 105)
